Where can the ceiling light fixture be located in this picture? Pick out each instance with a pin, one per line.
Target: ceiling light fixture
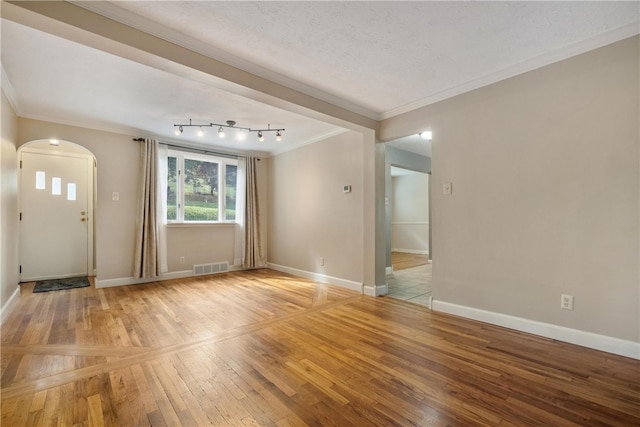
(426, 135)
(230, 124)
(54, 142)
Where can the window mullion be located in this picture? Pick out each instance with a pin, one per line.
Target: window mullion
(222, 184)
(181, 189)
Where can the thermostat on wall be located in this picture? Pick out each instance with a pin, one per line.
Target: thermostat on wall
(346, 188)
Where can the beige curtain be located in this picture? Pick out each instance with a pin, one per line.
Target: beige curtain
(253, 257)
(147, 251)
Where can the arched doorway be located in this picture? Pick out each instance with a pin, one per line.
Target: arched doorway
(57, 181)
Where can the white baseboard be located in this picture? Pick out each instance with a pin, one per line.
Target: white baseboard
(410, 251)
(322, 278)
(7, 305)
(574, 336)
(376, 291)
(124, 281)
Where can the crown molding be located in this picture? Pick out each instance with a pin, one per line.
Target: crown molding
(7, 88)
(131, 131)
(89, 124)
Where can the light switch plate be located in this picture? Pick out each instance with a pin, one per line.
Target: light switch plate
(447, 188)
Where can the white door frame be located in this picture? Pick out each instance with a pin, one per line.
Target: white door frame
(66, 149)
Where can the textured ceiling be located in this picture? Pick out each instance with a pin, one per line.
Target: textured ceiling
(381, 55)
(374, 58)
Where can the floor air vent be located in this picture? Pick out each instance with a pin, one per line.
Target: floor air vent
(212, 268)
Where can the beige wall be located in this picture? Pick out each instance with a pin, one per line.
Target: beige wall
(545, 173)
(199, 244)
(410, 213)
(309, 214)
(9, 224)
(117, 157)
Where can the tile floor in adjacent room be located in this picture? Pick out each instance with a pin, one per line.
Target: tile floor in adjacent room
(411, 284)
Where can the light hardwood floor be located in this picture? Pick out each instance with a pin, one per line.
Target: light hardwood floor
(264, 348)
(404, 260)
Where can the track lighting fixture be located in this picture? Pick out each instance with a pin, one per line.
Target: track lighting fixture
(230, 124)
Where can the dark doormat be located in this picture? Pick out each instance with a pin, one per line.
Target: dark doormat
(61, 284)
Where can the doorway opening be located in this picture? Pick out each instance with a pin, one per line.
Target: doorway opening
(408, 219)
(411, 273)
(57, 182)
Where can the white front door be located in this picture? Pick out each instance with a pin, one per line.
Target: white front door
(55, 215)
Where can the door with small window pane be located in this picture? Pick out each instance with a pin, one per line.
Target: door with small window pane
(55, 215)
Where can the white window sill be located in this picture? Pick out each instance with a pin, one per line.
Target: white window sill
(200, 224)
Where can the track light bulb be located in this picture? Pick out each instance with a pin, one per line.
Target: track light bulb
(179, 130)
(260, 136)
(426, 135)
(200, 131)
(278, 136)
(221, 132)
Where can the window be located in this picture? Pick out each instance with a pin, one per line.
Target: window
(200, 188)
(71, 191)
(40, 180)
(56, 186)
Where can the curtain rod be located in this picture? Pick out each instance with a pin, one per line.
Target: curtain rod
(196, 150)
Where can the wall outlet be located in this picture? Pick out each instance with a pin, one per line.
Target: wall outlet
(181, 260)
(321, 260)
(566, 302)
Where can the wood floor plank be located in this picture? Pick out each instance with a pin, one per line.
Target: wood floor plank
(404, 260)
(120, 388)
(146, 402)
(161, 396)
(51, 406)
(73, 350)
(264, 348)
(95, 411)
(195, 408)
